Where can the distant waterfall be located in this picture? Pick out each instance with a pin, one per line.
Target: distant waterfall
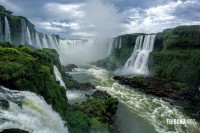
(1, 30)
(24, 32)
(59, 76)
(137, 63)
(110, 46)
(7, 31)
(29, 41)
(116, 43)
(28, 111)
(120, 43)
(44, 41)
(37, 39)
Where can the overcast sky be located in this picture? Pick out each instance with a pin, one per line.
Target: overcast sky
(85, 18)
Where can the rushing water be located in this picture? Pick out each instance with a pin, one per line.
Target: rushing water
(139, 113)
(137, 63)
(7, 30)
(29, 112)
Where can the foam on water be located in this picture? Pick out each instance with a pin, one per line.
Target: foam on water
(29, 112)
(154, 110)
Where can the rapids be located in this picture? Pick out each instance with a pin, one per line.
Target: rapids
(146, 113)
(28, 112)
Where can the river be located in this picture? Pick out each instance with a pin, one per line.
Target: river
(137, 112)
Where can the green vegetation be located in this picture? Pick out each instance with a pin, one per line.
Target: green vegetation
(98, 113)
(180, 37)
(31, 70)
(22, 68)
(177, 55)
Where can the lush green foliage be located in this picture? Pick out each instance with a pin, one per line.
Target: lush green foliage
(177, 65)
(94, 114)
(177, 55)
(23, 68)
(31, 70)
(179, 37)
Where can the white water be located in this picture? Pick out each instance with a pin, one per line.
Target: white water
(152, 110)
(1, 31)
(24, 32)
(110, 46)
(137, 63)
(44, 41)
(58, 76)
(35, 115)
(38, 42)
(7, 30)
(120, 43)
(116, 43)
(29, 41)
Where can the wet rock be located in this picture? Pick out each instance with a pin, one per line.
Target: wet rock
(101, 94)
(69, 67)
(4, 103)
(162, 88)
(14, 130)
(86, 86)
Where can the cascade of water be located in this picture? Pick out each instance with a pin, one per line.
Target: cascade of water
(120, 43)
(38, 43)
(33, 114)
(44, 41)
(7, 31)
(24, 32)
(29, 41)
(110, 46)
(116, 43)
(56, 43)
(137, 63)
(59, 77)
(51, 42)
(1, 30)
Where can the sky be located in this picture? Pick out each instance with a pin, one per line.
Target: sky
(88, 18)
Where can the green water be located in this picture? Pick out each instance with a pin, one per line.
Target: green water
(138, 112)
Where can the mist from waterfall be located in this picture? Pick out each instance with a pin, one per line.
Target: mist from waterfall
(137, 63)
(7, 30)
(29, 112)
(83, 51)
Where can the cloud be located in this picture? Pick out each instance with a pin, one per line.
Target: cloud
(103, 17)
(77, 18)
(188, 10)
(153, 19)
(64, 11)
(9, 5)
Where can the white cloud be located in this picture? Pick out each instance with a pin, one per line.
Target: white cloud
(64, 11)
(153, 19)
(72, 25)
(9, 5)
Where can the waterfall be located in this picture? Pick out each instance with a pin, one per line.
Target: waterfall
(1, 30)
(56, 43)
(44, 41)
(7, 31)
(137, 63)
(38, 42)
(110, 46)
(29, 41)
(24, 32)
(120, 43)
(116, 43)
(59, 76)
(29, 112)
